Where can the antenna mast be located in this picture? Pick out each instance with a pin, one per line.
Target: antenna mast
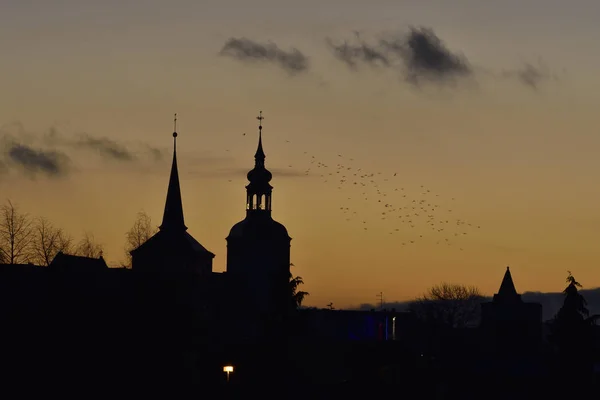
(380, 297)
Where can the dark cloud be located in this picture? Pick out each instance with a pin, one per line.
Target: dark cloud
(419, 54)
(105, 147)
(426, 57)
(51, 163)
(246, 50)
(18, 148)
(530, 75)
(39, 153)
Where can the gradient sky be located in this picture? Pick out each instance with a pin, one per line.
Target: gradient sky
(519, 158)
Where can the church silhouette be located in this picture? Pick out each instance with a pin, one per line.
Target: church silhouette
(172, 319)
(258, 256)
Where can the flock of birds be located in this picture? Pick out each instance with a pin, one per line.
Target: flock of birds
(413, 217)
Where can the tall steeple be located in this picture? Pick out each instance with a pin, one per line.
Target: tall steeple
(259, 191)
(507, 291)
(173, 215)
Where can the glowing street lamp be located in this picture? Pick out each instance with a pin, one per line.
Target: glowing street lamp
(227, 369)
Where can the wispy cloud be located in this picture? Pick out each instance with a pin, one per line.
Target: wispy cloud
(530, 75)
(354, 54)
(288, 172)
(241, 172)
(242, 49)
(53, 153)
(156, 153)
(104, 146)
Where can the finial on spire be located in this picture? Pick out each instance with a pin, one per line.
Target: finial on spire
(175, 126)
(260, 118)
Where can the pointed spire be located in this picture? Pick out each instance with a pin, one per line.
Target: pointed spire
(507, 288)
(259, 157)
(173, 215)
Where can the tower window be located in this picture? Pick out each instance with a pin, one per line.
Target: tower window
(259, 201)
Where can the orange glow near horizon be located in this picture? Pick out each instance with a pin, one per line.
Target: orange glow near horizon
(512, 168)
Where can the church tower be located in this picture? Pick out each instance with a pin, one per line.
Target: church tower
(258, 253)
(172, 250)
(511, 325)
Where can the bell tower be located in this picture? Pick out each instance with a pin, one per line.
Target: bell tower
(258, 256)
(259, 191)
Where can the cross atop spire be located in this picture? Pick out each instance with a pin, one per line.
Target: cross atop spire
(174, 133)
(259, 118)
(260, 154)
(173, 215)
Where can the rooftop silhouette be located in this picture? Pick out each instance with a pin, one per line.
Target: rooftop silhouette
(507, 291)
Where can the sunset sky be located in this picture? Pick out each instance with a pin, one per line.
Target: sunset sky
(498, 121)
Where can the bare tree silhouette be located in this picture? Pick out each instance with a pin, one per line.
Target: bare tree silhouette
(15, 235)
(47, 241)
(140, 232)
(457, 306)
(88, 247)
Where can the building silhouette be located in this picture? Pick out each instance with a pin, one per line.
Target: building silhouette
(172, 250)
(171, 318)
(258, 256)
(511, 325)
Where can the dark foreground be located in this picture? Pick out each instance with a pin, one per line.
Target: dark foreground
(117, 362)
